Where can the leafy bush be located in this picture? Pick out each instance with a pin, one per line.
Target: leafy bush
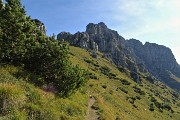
(138, 90)
(91, 62)
(123, 90)
(96, 64)
(92, 76)
(121, 69)
(151, 107)
(132, 99)
(88, 61)
(138, 97)
(105, 70)
(125, 82)
(167, 107)
(156, 103)
(112, 76)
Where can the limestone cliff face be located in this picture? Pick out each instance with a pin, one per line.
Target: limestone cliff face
(109, 42)
(159, 60)
(132, 54)
(98, 37)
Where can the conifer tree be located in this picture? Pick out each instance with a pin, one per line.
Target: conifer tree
(16, 30)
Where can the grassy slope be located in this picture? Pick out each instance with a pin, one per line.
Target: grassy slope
(21, 100)
(113, 102)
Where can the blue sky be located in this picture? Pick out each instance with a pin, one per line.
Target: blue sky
(156, 21)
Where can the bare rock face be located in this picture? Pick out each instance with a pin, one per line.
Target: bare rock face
(159, 60)
(98, 37)
(65, 35)
(107, 39)
(132, 54)
(80, 39)
(40, 25)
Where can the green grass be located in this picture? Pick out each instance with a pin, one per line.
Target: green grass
(20, 100)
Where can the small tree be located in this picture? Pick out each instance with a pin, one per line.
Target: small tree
(16, 31)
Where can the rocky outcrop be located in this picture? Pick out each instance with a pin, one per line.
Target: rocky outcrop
(80, 39)
(2, 4)
(100, 38)
(158, 59)
(132, 54)
(40, 25)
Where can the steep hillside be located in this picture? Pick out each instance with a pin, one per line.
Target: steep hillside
(42, 78)
(22, 100)
(119, 97)
(132, 54)
(115, 94)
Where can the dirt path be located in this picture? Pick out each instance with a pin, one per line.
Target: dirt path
(91, 113)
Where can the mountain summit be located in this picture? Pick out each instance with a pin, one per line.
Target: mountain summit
(132, 54)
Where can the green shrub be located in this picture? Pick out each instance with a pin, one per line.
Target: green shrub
(138, 90)
(105, 70)
(112, 76)
(157, 104)
(131, 99)
(167, 107)
(121, 69)
(151, 107)
(88, 61)
(138, 97)
(96, 64)
(22, 43)
(123, 90)
(125, 82)
(135, 106)
(92, 76)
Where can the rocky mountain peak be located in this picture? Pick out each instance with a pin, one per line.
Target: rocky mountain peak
(40, 25)
(99, 28)
(92, 25)
(132, 54)
(159, 60)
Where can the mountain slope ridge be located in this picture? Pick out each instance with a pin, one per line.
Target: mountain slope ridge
(132, 54)
(117, 95)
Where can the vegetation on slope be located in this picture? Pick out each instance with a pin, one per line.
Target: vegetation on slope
(119, 97)
(20, 100)
(116, 98)
(38, 77)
